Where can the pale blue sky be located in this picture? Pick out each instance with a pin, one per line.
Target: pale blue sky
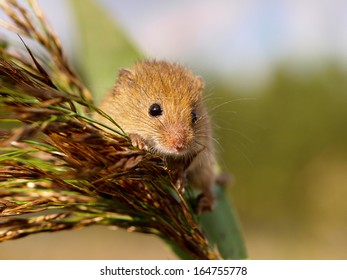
(241, 38)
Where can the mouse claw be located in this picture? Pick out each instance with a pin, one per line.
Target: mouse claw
(138, 142)
(180, 177)
(180, 184)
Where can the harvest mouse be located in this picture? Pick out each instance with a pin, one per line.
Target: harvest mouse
(159, 105)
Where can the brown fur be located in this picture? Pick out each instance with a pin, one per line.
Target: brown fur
(178, 92)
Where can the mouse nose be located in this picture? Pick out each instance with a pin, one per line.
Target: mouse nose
(179, 140)
(178, 144)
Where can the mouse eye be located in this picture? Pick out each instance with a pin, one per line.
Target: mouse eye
(194, 116)
(155, 110)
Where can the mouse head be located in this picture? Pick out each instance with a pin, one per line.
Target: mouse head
(161, 102)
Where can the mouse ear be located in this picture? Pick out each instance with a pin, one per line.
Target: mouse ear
(124, 75)
(199, 82)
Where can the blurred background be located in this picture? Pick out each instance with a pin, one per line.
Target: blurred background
(276, 75)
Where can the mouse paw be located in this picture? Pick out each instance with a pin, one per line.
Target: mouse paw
(180, 182)
(223, 179)
(180, 178)
(138, 142)
(205, 202)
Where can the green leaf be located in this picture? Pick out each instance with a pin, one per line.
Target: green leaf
(104, 47)
(222, 227)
